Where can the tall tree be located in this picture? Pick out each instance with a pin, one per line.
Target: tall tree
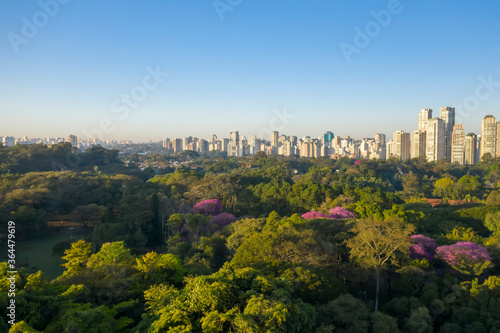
(377, 242)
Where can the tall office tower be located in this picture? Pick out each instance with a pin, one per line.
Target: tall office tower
(489, 136)
(418, 142)
(328, 136)
(401, 145)
(186, 142)
(470, 149)
(435, 144)
(380, 139)
(9, 141)
(423, 117)
(165, 143)
(458, 144)
(275, 142)
(202, 146)
(234, 144)
(389, 149)
(177, 145)
(73, 140)
(448, 115)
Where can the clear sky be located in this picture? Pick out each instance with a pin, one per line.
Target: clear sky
(235, 64)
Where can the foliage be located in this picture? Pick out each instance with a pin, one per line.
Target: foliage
(465, 257)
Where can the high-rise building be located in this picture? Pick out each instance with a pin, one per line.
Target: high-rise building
(177, 145)
(73, 140)
(448, 115)
(8, 141)
(186, 141)
(401, 145)
(328, 136)
(380, 139)
(435, 140)
(275, 142)
(234, 144)
(165, 143)
(423, 117)
(470, 149)
(458, 144)
(489, 136)
(418, 142)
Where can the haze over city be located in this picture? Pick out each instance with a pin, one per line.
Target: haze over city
(232, 68)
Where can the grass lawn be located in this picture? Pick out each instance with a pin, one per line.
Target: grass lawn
(38, 252)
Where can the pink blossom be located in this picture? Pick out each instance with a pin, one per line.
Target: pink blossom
(208, 207)
(341, 213)
(222, 219)
(425, 247)
(315, 215)
(466, 257)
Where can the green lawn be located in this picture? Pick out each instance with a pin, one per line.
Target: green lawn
(38, 252)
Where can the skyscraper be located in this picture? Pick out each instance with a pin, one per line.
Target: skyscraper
(234, 144)
(489, 136)
(328, 136)
(458, 144)
(401, 145)
(470, 149)
(275, 141)
(435, 143)
(418, 142)
(73, 140)
(423, 117)
(448, 115)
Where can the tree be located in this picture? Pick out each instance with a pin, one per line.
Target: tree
(465, 257)
(444, 188)
(377, 242)
(469, 186)
(492, 222)
(76, 257)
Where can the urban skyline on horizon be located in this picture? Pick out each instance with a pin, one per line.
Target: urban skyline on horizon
(436, 138)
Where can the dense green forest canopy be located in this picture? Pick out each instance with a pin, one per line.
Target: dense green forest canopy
(254, 244)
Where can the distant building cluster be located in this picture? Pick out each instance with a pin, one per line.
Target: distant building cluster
(435, 139)
(9, 141)
(329, 145)
(439, 138)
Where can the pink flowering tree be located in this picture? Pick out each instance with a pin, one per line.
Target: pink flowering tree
(315, 215)
(466, 257)
(208, 207)
(341, 213)
(222, 219)
(424, 247)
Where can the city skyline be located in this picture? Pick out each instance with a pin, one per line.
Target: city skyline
(195, 69)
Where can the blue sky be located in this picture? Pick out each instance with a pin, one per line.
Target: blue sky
(237, 73)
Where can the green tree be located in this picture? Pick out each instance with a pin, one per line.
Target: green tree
(492, 222)
(444, 188)
(378, 242)
(76, 257)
